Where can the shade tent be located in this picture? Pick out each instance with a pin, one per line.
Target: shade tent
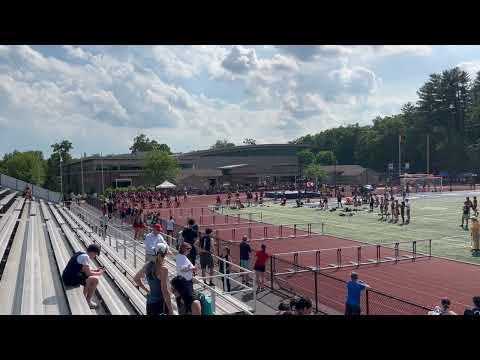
(166, 185)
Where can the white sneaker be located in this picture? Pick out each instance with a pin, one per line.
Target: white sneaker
(93, 305)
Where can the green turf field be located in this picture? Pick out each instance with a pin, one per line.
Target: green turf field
(434, 216)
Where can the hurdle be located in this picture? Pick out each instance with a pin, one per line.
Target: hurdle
(356, 256)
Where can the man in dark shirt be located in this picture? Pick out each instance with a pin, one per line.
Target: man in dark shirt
(189, 236)
(206, 258)
(402, 211)
(475, 311)
(245, 251)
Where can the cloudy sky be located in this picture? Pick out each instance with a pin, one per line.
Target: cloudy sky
(100, 97)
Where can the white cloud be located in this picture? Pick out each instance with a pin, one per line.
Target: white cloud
(357, 80)
(100, 97)
(472, 67)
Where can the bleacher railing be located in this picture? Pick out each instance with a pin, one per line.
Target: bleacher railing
(123, 243)
(37, 191)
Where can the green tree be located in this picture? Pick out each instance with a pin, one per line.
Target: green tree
(142, 143)
(160, 166)
(315, 172)
(325, 157)
(222, 145)
(59, 150)
(306, 157)
(28, 166)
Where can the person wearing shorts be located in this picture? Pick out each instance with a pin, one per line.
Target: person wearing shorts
(206, 258)
(78, 272)
(261, 259)
(170, 226)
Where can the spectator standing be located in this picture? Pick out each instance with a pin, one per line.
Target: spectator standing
(151, 241)
(443, 309)
(187, 303)
(245, 251)
(78, 272)
(110, 208)
(206, 258)
(138, 224)
(284, 309)
(475, 311)
(189, 236)
(158, 294)
(224, 267)
(184, 266)
(260, 261)
(170, 226)
(354, 291)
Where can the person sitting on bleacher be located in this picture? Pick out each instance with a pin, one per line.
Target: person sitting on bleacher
(158, 293)
(78, 272)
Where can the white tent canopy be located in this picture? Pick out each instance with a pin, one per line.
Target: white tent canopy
(166, 185)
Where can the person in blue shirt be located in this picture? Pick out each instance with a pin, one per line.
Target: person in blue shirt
(354, 291)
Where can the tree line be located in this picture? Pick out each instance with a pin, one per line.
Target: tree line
(447, 111)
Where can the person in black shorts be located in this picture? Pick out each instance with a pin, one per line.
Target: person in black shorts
(465, 214)
(78, 272)
(206, 258)
(402, 211)
(189, 236)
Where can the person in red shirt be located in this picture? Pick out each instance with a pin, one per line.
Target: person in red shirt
(260, 261)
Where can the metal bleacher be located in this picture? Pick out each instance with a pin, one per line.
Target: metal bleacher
(37, 240)
(132, 260)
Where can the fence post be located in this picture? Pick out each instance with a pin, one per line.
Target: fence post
(238, 218)
(323, 233)
(249, 217)
(125, 247)
(202, 210)
(272, 269)
(281, 230)
(367, 301)
(429, 248)
(295, 261)
(135, 254)
(414, 250)
(250, 233)
(339, 257)
(233, 233)
(359, 256)
(226, 219)
(224, 275)
(378, 254)
(317, 259)
(316, 292)
(264, 232)
(294, 230)
(396, 252)
(261, 217)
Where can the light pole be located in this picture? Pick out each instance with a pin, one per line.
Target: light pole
(61, 177)
(81, 169)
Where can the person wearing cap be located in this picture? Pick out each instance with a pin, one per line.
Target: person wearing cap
(151, 240)
(354, 291)
(78, 272)
(475, 233)
(443, 309)
(159, 298)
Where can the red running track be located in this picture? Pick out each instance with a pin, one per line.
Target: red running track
(424, 281)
